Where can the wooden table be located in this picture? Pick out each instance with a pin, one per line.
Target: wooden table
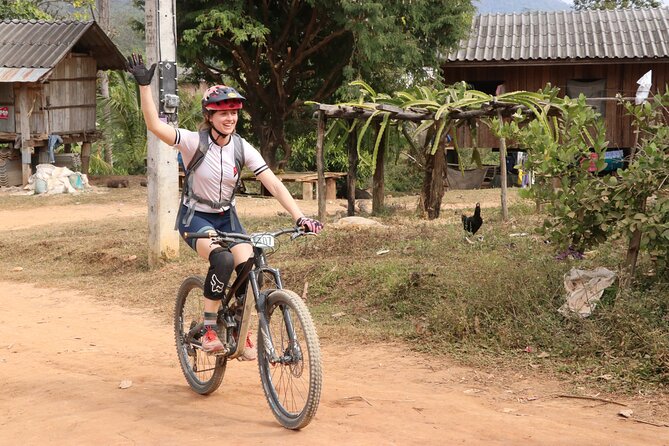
(309, 182)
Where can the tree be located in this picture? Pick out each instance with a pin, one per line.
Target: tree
(586, 208)
(281, 54)
(21, 10)
(580, 5)
(44, 9)
(103, 77)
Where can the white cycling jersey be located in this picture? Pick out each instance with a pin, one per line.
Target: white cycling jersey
(216, 177)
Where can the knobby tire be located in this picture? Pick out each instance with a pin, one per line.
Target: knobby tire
(293, 389)
(203, 372)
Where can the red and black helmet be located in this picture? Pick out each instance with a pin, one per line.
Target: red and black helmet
(221, 97)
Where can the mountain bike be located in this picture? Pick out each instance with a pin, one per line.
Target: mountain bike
(289, 358)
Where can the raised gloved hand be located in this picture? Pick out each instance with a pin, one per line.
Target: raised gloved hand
(137, 68)
(309, 224)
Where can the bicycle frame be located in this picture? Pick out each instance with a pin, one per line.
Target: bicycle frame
(254, 268)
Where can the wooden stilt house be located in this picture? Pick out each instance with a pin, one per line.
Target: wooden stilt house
(48, 73)
(597, 53)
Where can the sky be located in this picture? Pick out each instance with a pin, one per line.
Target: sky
(666, 2)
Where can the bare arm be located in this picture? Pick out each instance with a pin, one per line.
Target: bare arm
(162, 130)
(279, 191)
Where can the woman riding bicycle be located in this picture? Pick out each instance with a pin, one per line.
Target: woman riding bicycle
(211, 205)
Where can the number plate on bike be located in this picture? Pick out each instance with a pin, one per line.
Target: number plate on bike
(264, 241)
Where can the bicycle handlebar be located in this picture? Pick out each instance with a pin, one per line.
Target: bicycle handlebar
(297, 231)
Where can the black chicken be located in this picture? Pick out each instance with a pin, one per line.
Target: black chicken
(473, 224)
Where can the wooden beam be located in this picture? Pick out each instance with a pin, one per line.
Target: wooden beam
(348, 111)
(365, 111)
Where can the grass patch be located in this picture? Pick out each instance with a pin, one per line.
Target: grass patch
(491, 302)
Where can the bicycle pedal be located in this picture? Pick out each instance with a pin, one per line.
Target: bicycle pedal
(223, 352)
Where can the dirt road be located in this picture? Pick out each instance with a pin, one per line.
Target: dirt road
(63, 356)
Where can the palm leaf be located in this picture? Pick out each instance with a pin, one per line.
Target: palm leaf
(379, 135)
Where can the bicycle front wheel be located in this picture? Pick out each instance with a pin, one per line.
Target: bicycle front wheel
(204, 372)
(291, 381)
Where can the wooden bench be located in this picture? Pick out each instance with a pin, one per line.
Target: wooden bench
(309, 182)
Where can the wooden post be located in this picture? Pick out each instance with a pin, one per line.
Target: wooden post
(307, 191)
(330, 188)
(502, 170)
(26, 145)
(378, 189)
(85, 157)
(351, 178)
(162, 167)
(320, 165)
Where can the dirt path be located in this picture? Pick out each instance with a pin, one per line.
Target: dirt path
(64, 354)
(246, 205)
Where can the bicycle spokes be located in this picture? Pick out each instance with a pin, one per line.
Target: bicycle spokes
(204, 372)
(291, 375)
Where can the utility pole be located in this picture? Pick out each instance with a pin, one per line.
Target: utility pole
(162, 169)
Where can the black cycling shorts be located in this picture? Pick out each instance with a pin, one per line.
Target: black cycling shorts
(206, 221)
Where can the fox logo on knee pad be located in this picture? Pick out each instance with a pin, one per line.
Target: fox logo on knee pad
(217, 286)
(221, 265)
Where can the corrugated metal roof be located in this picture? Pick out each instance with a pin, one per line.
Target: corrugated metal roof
(30, 49)
(23, 74)
(559, 35)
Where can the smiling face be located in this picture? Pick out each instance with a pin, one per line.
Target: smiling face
(224, 121)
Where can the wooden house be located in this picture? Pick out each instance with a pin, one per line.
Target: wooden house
(598, 53)
(48, 73)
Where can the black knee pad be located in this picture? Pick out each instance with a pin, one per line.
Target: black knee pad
(221, 264)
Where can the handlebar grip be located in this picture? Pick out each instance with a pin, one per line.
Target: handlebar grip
(196, 235)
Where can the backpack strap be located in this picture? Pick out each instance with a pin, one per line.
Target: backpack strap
(190, 197)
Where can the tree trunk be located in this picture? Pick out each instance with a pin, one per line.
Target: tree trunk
(268, 146)
(433, 182)
(104, 92)
(103, 21)
(272, 137)
(433, 185)
(633, 251)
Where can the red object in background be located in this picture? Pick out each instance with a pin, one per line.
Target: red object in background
(4, 112)
(592, 167)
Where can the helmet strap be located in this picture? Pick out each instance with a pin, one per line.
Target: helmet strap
(221, 134)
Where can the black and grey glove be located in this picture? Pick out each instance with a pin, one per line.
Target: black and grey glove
(137, 68)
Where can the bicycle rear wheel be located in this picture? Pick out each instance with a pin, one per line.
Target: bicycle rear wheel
(292, 385)
(203, 372)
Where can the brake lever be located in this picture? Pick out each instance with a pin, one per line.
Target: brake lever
(300, 234)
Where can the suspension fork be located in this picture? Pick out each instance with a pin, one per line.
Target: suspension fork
(261, 307)
(296, 353)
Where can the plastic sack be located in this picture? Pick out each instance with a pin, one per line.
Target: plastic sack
(584, 289)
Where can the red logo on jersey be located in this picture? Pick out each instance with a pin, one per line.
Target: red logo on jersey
(234, 171)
